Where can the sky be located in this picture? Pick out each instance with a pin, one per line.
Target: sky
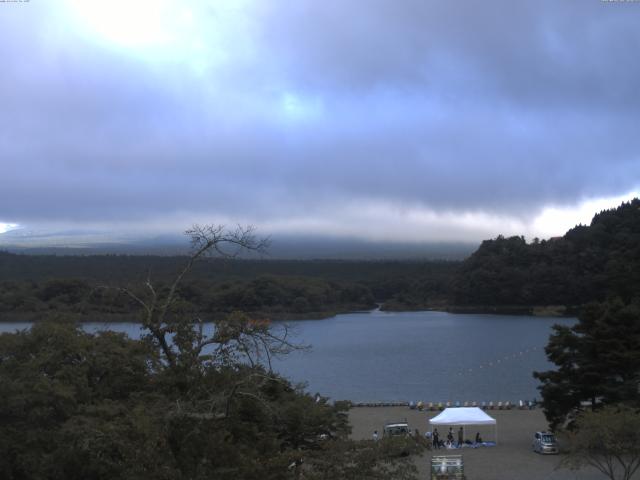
(410, 121)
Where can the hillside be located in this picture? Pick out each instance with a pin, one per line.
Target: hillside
(589, 263)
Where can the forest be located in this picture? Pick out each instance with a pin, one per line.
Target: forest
(589, 263)
(505, 275)
(33, 286)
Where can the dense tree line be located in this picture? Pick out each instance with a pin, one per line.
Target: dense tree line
(31, 286)
(589, 263)
(135, 268)
(428, 288)
(180, 403)
(269, 296)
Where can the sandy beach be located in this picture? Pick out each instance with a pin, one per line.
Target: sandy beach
(511, 459)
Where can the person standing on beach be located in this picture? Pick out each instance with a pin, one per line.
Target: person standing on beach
(460, 437)
(450, 438)
(436, 439)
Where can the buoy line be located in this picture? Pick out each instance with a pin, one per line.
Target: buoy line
(498, 361)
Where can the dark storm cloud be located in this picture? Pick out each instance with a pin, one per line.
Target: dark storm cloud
(498, 108)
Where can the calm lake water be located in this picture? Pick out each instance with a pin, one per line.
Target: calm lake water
(429, 356)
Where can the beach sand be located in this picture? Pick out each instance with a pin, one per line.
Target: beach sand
(511, 459)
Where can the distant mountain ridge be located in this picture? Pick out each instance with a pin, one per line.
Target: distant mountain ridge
(283, 247)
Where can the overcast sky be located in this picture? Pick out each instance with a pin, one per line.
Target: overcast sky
(406, 120)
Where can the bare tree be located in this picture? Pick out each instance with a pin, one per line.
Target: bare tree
(182, 339)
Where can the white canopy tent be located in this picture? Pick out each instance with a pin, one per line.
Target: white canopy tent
(464, 416)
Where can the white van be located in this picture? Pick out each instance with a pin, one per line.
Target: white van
(396, 429)
(545, 442)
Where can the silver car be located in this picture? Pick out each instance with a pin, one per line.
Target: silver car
(545, 442)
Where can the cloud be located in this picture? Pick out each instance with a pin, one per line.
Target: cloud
(381, 120)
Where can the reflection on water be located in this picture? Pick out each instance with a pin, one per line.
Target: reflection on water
(430, 356)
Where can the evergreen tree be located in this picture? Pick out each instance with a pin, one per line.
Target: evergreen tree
(598, 362)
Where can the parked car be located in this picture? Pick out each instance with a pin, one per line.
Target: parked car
(545, 442)
(396, 429)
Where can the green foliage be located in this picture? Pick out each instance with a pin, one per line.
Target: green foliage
(60, 386)
(598, 361)
(266, 296)
(180, 403)
(267, 289)
(608, 440)
(587, 264)
(80, 406)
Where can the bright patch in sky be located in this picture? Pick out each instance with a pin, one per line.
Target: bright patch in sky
(5, 227)
(296, 107)
(382, 221)
(555, 221)
(140, 23)
(200, 35)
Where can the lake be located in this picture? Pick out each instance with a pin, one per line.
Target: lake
(429, 356)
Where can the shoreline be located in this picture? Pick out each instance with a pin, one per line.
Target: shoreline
(35, 317)
(500, 405)
(558, 311)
